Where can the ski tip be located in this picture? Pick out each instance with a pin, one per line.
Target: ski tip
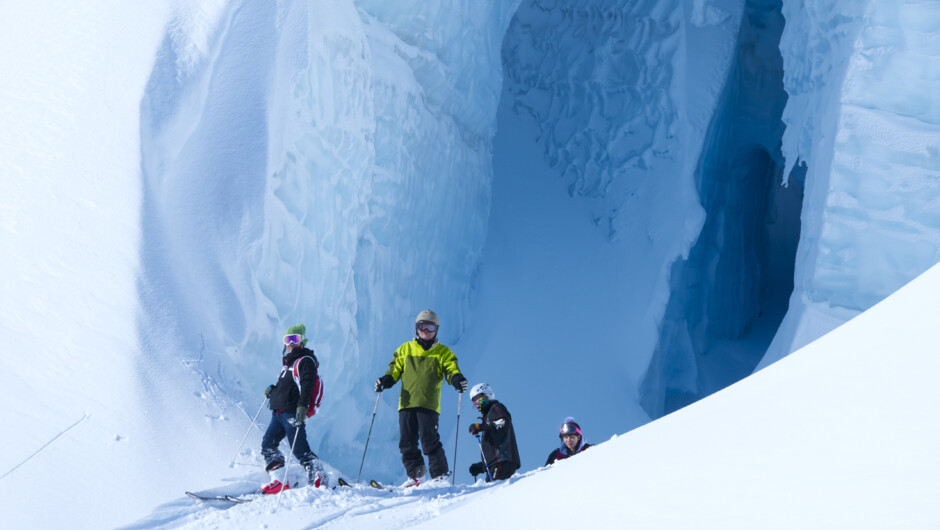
(342, 482)
(375, 484)
(210, 498)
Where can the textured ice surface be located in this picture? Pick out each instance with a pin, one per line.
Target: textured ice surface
(623, 97)
(324, 163)
(729, 296)
(863, 116)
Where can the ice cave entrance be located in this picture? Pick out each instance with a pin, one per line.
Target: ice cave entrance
(728, 298)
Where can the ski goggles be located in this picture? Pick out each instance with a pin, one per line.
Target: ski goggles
(427, 327)
(292, 339)
(569, 429)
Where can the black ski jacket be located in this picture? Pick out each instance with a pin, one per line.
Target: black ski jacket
(562, 453)
(286, 395)
(498, 438)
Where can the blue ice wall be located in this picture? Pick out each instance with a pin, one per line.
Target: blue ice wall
(319, 162)
(729, 296)
(863, 117)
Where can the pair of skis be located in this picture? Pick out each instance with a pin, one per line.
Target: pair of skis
(254, 494)
(242, 499)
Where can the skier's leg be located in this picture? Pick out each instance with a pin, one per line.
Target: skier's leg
(431, 442)
(307, 458)
(408, 444)
(503, 470)
(316, 475)
(273, 458)
(302, 450)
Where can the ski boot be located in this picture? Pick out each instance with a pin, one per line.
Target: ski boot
(275, 486)
(316, 476)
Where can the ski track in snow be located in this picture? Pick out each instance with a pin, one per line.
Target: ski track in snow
(84, 417)
(358, 510)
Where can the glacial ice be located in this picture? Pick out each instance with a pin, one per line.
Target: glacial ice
(863, 117)
(342, 165)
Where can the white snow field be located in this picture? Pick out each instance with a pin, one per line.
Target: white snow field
(589, 193)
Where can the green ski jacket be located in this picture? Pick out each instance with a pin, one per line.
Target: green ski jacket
(421, 373)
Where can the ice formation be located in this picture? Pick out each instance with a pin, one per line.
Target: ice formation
(863, 118)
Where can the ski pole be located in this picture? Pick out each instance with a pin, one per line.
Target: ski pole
(453, 477)
(375, 408)
(297, 428)
(489, 478)
(249, 431)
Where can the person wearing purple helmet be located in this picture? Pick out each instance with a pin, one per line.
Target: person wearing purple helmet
(571, 441)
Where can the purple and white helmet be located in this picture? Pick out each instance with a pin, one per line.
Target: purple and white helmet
(570, 427)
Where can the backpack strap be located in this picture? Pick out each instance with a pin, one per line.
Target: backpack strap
(295, 369)
(317, 395)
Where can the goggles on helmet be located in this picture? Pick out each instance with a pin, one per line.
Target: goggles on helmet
(427, 327)
(293, 339)
(569, 429)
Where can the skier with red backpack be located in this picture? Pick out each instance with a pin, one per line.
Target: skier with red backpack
(293, 399)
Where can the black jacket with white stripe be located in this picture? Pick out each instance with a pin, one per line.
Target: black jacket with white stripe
(286, 395)
(498, 438)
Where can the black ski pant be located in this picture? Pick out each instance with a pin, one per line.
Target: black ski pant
(502, 470)
(421, 422)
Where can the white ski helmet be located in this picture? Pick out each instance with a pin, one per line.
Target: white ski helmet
(427, 316)
(482, 388)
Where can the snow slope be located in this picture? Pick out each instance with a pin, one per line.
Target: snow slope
(70, 212)
(841, 434)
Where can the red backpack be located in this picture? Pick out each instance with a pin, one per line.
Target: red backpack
(317, 394)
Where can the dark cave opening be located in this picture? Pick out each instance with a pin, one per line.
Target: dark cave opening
(728, 298)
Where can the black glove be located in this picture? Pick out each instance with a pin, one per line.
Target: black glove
(459, 382)
(477, 469)
(267, 391)
(384, 382)
(475, 428)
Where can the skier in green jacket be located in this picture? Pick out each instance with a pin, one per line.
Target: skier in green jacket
(422, 365)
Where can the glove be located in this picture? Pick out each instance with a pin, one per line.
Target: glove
(477, 469)
(267, 391)
(475, 428)
(459, 382)
(384, 382)
(301, 415)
